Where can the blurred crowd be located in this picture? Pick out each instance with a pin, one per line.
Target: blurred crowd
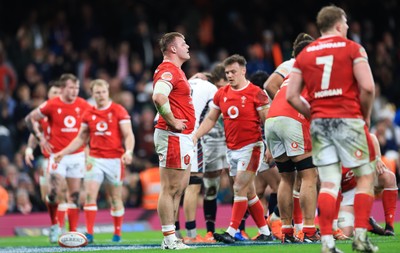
(117, 41)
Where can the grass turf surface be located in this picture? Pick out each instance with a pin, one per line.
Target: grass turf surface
(150, 241)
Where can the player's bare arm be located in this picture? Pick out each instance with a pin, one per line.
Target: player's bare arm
(273, 84)
(207, 124)
(161, 92)
(75, 144)
(363, 75)
(129, 142)
(32, 144)
(33, 126)
(293, 96)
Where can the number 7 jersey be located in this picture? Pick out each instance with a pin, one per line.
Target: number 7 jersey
(327, 69)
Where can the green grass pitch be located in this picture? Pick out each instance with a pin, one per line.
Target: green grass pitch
(149, 241)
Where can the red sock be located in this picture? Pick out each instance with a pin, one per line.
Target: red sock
(61, 217)
(389, 200)
(326, 205)
(297, 215)
(256, 211)
(362, 209)
(118, 216)
(90, 216)
(238, 210)
(52, 209)
(73, 217)
(309, 230)
(338, 202)
(287, 231)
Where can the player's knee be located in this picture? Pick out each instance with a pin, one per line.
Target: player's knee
(365, 169)
(74, 196)
(304, 164)
(195, 180)
(211, 188)
(285, 167)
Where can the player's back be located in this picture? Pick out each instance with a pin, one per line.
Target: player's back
(327, 69)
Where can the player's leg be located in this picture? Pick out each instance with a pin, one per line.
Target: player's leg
(272, 178)
(190, 201)
(285, 196)
(346, 219)
(90, 207)
(171, 191)
(387, 181)
(74, 174)
(308, 195)
(211, 181)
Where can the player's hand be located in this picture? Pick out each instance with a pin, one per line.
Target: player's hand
(267, 156)
(45, 145)
(127, 157)
(195, 140)
(380, 167)
(58, 157)
(180, 124)
(29, 157)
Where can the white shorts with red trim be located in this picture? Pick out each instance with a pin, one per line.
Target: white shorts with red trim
(174, 150)
(287, 135)
(247, 158)
(345, 140)
(109, 169)
(71, 166)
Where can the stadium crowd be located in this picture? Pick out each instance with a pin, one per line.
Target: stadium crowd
(118, 43)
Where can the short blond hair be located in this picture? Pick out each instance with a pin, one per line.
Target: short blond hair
(167, 39)
(328, 16)
(98, 82)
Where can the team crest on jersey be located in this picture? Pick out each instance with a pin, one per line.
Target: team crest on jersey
(233, 112)
(93, 117)
(69, 121)
(243, 98)
(167, 76)
(363, 53)
(54, 166)
(160, 157)
(225, 98)
(294, 145)
(89, 166)
(186, 159)
(358, 154)
(59, 110)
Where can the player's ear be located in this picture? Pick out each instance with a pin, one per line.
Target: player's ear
(173, 49)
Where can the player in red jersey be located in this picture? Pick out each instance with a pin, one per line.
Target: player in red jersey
(108, 127)
(385, 183)
(54, 91)
(173, 133)
(64, 115)
(287, 133)
(340, 87)
(243, 106)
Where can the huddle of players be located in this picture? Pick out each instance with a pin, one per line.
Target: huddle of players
(305, 124)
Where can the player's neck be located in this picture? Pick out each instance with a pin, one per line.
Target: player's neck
(66, 100)
(104, 106)
(174, 60)
(241, 85)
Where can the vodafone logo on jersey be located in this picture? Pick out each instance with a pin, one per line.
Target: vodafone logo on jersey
(69, 123)
(101, 128)
(233, 112)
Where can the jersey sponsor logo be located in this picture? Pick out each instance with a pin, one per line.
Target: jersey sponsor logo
(167, 76)
(233, 112)
(101, 128)
(186, 159)
(69, 123)
(326, 45)
(294, 145)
